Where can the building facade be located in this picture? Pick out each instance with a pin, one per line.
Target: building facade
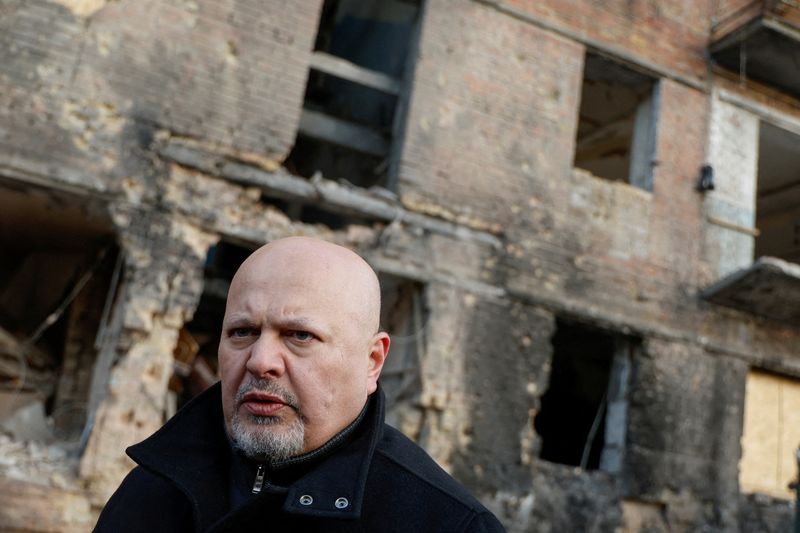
(585, 216)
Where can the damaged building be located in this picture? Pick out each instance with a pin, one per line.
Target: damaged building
(585, 216)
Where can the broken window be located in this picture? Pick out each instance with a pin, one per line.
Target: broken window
(583, 414)
(195, 365)
(617, 122)
(778, 200)
(404, 317)
(354, 91)
(58, 261)
(771, 434)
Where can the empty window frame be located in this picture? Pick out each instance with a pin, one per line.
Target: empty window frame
(771, 434)
(778, 196)
(404, 316)
(583, 414)
(355, 90)
(58, 263)
(617, 122)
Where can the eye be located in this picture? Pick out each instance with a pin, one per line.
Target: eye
(241, 333)
(302, 336)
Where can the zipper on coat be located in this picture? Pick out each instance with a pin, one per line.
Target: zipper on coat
(259, 482)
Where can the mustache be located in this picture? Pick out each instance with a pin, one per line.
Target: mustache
(267, 386)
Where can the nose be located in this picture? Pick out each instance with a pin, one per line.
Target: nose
(267, 357)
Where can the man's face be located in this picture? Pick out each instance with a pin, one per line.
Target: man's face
(296, 357)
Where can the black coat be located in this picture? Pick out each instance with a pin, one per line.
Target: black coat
(383, 482)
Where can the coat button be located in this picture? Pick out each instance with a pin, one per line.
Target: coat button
(305, 499)
(341, 503)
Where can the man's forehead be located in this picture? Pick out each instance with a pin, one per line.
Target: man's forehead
(283, 317)
(292, 291)
(303, 270)
(298, 281)
(288, 297)
(295, 312)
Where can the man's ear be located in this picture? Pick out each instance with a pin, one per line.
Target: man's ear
(378, 350)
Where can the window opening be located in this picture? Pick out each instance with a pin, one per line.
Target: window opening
(583, 413)
(778, 196)
(350, 110)
(404, 316)
(57, 258)
(617, 122)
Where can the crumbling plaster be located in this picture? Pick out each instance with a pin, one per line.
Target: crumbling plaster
(161, 284)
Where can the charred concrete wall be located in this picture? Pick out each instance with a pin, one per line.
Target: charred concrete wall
(168, 125)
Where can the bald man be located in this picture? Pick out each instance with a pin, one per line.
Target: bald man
(293, 437)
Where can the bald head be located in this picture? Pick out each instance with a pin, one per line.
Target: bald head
(338, 276)
(300, 349)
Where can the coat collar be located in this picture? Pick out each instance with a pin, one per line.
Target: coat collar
(336, 485)
(187, 451)
(192, 450)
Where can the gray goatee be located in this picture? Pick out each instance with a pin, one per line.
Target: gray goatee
(267, 438)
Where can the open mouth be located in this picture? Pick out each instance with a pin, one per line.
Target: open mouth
(261, 404)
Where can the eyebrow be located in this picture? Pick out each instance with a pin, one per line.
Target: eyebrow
(301, 322)
(238, 320)
(297, 322)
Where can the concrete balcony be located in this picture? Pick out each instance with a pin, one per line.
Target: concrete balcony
(761, 41)
(769, 288)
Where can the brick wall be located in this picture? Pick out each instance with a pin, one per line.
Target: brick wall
(671, 33)
(492, 114)
(83, 90)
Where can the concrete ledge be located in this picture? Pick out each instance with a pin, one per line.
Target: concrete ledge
(339, 197)
(770, 288)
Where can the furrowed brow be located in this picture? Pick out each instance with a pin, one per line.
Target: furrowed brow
(303, 323)
(238, 320)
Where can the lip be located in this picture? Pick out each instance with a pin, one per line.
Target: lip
(260, 404)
